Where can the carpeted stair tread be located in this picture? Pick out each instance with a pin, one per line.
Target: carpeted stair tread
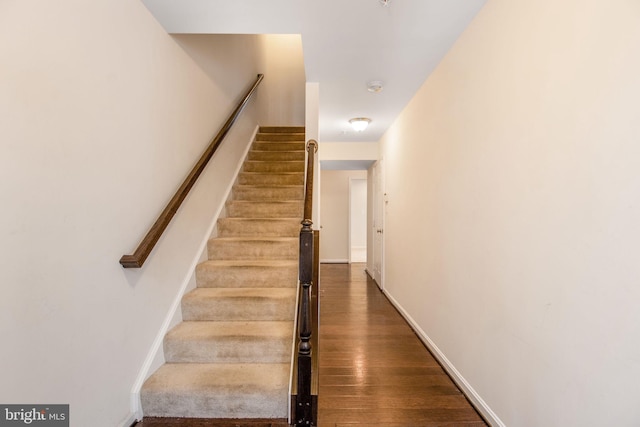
(255, 239)
(265, 209)
(239, 304)
(273, 166)
(229, 342)
(279, 145)
(247, 273)
(275, 227)
(272, 136)
(268, 192)
(276, 155)
(289, 178)
(273, 263)
(242, 248)
(218, 390)
(281, 129)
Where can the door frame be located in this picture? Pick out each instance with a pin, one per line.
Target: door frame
(377, 224)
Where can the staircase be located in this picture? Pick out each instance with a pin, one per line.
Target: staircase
(230, 356)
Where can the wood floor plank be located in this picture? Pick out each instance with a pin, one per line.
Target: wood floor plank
(371, 392)
(358, 371)
(421, 400)
(385, 415)
(374, 371)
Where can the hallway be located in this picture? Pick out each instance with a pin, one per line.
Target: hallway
(374, 370)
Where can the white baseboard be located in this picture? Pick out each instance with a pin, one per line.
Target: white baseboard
(462, 383)
(128, 421)
(334, 261)
(156, 348)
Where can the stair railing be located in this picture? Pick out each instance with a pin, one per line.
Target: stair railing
(137, 259)
(304, 385)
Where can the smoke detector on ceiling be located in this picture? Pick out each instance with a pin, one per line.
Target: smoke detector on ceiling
(375, 86)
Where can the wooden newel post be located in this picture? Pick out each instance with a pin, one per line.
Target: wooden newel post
(306, 277)
(304, 403)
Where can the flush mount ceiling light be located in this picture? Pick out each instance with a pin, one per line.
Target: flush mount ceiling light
(359, 123)
(385, 3)
(375, 86)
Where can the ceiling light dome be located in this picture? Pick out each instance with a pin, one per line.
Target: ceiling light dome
(359, 123)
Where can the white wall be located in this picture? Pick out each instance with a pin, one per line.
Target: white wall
(513, 181)
(103, 114)
(214, 52)
(312, 105)
(349, 151)
(334, 214)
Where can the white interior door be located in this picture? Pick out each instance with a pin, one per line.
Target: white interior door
(378, 223)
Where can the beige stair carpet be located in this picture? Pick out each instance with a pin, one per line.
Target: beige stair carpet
(230, 356)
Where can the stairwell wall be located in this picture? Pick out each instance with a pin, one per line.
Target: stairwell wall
(512, 225)
(282, 100)
(103, 114)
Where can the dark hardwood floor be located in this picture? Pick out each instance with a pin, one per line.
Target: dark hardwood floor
(374, 371)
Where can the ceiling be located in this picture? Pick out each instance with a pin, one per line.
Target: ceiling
(346, 165)
(346, 44)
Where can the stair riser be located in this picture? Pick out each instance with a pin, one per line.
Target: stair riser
(218, 391)
(280, 137)
(282, 129)
(254, 349)
(239, 250)
(236, 227)
(246, 178)
(264, 210)
(275, 167)
(197, 405)
(246, 277)
(278, 146)
(266, 193)
(237, 309)
(282, 156)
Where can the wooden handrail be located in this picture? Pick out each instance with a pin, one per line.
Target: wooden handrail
(146, 245)
(305, 382)
(312, 149)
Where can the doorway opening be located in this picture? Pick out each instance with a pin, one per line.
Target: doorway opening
(357, 220)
